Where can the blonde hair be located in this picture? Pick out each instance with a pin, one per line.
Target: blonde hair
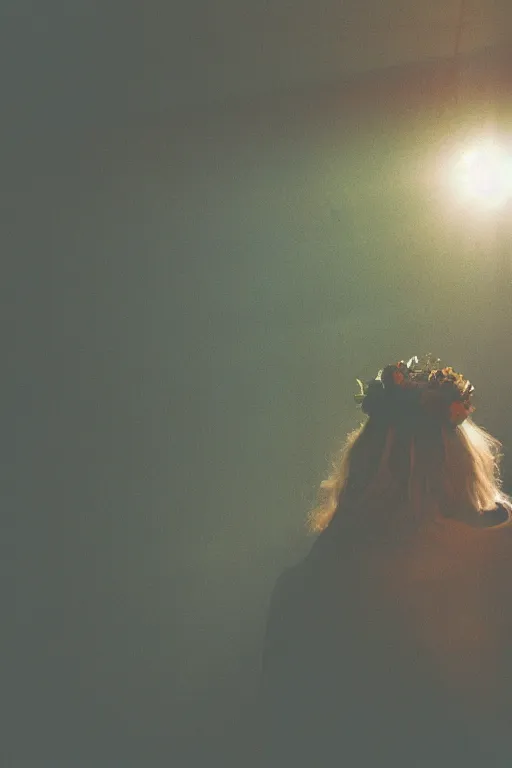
(420, 468)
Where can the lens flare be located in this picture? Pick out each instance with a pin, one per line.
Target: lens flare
(483, 173)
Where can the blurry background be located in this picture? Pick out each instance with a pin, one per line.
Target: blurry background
(216, 217)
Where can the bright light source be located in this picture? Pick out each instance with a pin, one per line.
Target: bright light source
(483, 173)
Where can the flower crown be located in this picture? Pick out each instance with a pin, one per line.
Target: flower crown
(405, 390)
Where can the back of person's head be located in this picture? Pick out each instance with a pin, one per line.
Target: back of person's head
(418, 450)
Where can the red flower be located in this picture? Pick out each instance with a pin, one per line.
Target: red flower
(398, 377)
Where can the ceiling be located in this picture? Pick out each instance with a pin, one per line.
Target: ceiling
(72, 66)
(237, 49)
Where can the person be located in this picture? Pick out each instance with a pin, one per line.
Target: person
(391, 642)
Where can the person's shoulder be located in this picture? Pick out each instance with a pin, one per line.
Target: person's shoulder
(501, 516)
(499, 536)
(501, 531)
(303, 582)
(290, 582)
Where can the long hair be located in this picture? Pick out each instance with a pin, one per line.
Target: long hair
(422, 468)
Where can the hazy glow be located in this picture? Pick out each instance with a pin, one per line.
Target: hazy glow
(483, 173)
